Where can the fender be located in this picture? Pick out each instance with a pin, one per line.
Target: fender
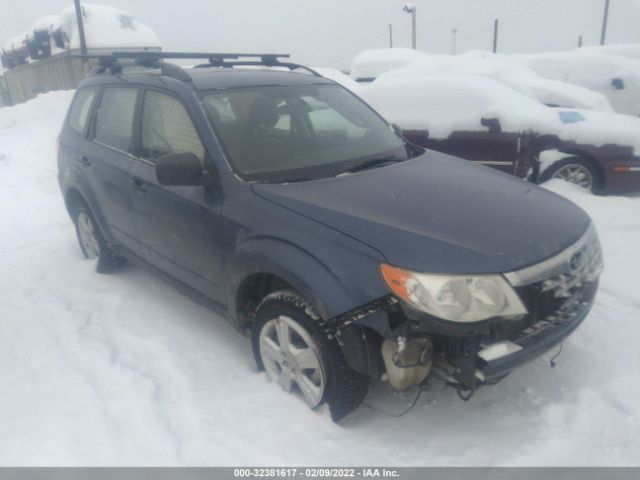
(321, 287)
(73, 178)
(272, 255)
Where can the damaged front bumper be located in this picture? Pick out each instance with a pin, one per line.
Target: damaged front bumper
(486, 363)
(531, 343)
(558, 294)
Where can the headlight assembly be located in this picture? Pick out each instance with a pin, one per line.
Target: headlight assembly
(458, 298)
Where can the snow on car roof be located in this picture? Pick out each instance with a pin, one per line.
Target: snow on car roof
(338, 77)
(631, 50)
(443, 104)
(587, 68)
(369, 64)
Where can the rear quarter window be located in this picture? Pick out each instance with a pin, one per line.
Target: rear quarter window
(80, 110)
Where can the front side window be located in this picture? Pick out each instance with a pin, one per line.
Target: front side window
(167, 128)
(79, 112)
(298, 132)
(114, 120)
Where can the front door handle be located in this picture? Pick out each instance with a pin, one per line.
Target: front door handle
(138, 185)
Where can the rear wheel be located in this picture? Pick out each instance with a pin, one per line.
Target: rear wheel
(93, 243)
(577, 170)
(295, 353)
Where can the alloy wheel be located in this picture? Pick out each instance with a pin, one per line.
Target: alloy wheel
(576, 174)
(87, 235)
(291, 358)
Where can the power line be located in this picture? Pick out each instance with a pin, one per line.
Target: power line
(502, 22)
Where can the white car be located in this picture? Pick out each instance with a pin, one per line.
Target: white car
(615, 76)
(388, 63)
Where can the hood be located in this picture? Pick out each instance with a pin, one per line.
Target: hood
(437, 213)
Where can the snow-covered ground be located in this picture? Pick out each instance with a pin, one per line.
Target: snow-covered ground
(122, 369)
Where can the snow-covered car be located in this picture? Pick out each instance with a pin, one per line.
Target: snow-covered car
(287, 204)
(615, 76)
(487, 122)
(369, 64)
(393, 63)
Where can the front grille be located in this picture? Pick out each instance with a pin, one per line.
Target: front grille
(584, 267)
(558, 287)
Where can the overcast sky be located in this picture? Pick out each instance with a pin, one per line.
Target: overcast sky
(331, 32)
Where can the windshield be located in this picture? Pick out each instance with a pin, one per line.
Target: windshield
(298, 132)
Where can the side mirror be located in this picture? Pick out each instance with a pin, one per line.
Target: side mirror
(179, 169)
(492, 123)
(617, 83)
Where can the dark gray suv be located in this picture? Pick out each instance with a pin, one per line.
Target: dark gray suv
(290, 206)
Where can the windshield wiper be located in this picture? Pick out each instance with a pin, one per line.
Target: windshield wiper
(373, 163)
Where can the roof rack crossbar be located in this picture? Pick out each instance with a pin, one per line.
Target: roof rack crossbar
(183, 55)
(108, 63)
(244, 63)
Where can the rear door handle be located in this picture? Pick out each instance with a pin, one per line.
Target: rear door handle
(138, 185)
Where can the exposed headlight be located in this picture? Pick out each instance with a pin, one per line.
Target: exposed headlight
(458, 298)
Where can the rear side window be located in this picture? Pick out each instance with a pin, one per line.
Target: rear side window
(167, 128)
(114, 120)
(81, 108)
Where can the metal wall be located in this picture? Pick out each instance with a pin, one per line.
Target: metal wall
(60, 72)
(5, 96)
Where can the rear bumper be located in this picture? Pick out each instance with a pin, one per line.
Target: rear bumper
(622, 178)
(530, 344)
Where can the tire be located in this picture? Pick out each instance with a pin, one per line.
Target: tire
(92, 241)
(342, 388)
(577, 170)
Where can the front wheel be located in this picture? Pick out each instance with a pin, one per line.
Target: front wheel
(295, 353)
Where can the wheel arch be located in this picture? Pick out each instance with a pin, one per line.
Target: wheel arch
(77, 193)
(72, 199)
(262, 265)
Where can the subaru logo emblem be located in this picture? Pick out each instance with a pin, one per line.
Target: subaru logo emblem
(576, 261)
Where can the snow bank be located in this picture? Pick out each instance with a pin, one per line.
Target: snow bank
(368, 64)
(443, 104)
(123, 370)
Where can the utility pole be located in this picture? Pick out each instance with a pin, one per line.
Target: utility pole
(580, 41)
(454, 31)
(495, 35)
(83, 41)
(390, 36)
(412, 10)
(605, 19)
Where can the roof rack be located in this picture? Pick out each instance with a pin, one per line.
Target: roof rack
(108, 64)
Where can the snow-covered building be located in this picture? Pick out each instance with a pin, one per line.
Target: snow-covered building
(41, 59)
